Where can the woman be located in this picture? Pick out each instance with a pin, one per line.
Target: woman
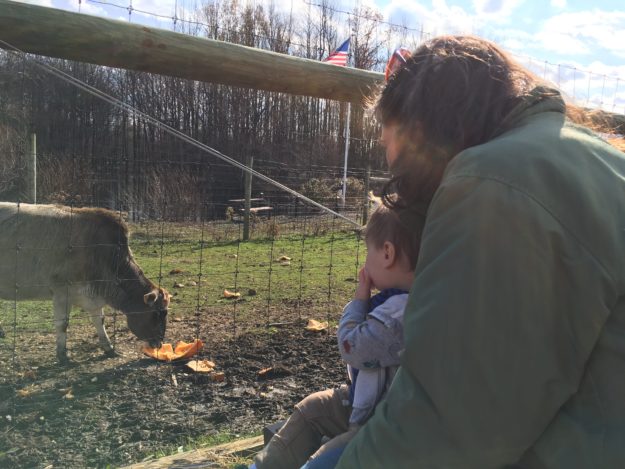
(515, 326)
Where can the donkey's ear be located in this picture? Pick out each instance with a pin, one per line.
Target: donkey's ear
(166, 296)
(150, 298)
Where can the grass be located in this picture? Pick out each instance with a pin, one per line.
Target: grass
(207, 441)
(197, 266)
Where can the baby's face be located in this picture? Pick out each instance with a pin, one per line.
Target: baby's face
(374, 265)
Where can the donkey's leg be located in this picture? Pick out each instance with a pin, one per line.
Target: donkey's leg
(97, 318)
(62, 306)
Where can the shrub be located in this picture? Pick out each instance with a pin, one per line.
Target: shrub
(355, 189)
(273, 230)
(319, 190)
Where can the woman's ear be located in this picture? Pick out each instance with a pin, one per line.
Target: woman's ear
(390, 254)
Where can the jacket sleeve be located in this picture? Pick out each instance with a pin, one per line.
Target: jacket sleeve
(502, 317)
(372, 341)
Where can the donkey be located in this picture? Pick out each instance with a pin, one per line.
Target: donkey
(81, 257)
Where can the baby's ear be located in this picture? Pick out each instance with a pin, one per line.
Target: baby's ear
(389, 254)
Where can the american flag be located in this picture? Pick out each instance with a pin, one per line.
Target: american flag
(340, 55)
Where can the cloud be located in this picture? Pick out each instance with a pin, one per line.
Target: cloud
(561, 42)
(154, 5)
(41, 3)
(87, 8)
(93, 9)
(558, 4)
(596, 85)
(575, 33)
(498, 11)
(437, 19)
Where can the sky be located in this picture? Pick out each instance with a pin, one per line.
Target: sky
(578, 45)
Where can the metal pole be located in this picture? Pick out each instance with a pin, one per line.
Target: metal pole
(248, 196)
(365, 208)
(349, 112)
(31, 171)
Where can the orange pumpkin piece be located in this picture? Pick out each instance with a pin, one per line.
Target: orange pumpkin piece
(201, 366)
(316, 326)
(169, 353)
(231, 294)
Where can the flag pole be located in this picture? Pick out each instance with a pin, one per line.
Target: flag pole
(349, 112)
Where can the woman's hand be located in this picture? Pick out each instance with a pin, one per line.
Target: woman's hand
(363, 290)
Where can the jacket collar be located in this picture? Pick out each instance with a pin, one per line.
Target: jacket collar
(540, 99)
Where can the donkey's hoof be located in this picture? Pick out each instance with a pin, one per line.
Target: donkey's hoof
(63, 360)
(112, 353)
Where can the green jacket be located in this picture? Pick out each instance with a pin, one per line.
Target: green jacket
(515, 326)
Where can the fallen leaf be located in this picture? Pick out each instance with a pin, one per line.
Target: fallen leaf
(178, 285)
(231, 294)
(201, 366)
(316, 326)
(176, 319)
(30, 374)
(25, 392)
(283, 258)
(285, 262)
(218, 377)
(277, 371)
(175, 271)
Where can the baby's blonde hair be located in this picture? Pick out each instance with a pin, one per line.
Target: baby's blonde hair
(400, 226)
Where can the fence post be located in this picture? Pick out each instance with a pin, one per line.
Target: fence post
(30, 180)
(248, 196)
(365, 207)
(128, 195)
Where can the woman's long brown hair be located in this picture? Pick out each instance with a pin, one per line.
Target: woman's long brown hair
(455, 91)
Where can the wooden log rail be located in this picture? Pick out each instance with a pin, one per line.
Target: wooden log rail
(85, 38)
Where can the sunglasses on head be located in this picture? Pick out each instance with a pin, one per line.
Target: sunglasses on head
(397, 60)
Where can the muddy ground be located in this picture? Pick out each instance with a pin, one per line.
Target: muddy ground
(109, 412)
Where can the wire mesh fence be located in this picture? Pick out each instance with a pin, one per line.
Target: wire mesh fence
(247, 298)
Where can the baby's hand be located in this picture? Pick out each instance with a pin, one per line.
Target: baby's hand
(363, 290)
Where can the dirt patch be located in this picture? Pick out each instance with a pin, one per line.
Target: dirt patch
(115, 411)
